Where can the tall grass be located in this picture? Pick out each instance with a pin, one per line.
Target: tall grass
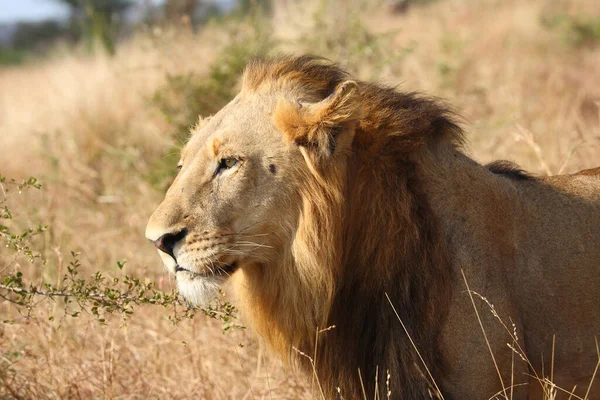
(101, 132)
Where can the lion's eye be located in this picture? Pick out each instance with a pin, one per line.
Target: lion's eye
(179, 167)
(227, 163)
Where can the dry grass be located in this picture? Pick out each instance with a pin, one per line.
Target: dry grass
(84, 125)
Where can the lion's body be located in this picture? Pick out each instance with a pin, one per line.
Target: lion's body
(531, 247)
(352, 193)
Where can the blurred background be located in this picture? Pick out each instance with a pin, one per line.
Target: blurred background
(97, 97)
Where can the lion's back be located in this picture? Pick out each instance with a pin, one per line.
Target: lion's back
(557, 272)
(558, 227)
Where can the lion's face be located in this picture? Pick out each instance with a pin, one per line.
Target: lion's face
(236, 204)
(229, 207)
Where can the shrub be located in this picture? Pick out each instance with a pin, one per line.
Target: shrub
(574, 30)
(100, 295)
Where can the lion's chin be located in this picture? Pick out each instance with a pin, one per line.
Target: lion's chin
(200, 291)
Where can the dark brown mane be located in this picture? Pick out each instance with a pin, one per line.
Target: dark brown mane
(391, 244)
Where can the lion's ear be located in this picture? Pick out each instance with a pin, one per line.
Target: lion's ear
(318, 126)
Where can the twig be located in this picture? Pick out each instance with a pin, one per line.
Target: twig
(36, 292)
(595, 371)
(527, 137)
(484, 334)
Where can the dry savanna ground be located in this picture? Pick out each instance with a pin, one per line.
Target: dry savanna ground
(101, 132)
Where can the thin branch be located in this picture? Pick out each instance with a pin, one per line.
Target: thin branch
(36, 292)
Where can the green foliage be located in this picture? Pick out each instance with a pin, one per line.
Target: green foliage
(33, 38)
(400, 6)
(38, 34)
(247, 7)
(106, 6)
(163, 170)
(10, 56)
(349, 40)
(18, 241)
(450, 59)
(98, 20)
(576, 31)
(99, 295)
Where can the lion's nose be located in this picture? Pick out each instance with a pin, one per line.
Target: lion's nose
(167, 242)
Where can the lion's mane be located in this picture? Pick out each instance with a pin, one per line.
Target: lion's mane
(365, 231)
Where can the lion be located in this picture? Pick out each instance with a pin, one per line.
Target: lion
(346, 220)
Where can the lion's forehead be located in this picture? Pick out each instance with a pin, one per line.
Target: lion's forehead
(244, 124)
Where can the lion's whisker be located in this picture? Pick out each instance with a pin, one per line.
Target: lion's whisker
(253, 244)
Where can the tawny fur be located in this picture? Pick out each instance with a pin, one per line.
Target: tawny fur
(373, 197)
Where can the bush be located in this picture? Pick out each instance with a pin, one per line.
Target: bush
(99, 295)
(574, 30)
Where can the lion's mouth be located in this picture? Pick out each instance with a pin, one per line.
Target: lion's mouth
(221, 270)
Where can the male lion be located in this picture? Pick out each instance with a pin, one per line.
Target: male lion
(314, 197)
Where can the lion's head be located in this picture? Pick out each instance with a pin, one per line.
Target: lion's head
(235, 205)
